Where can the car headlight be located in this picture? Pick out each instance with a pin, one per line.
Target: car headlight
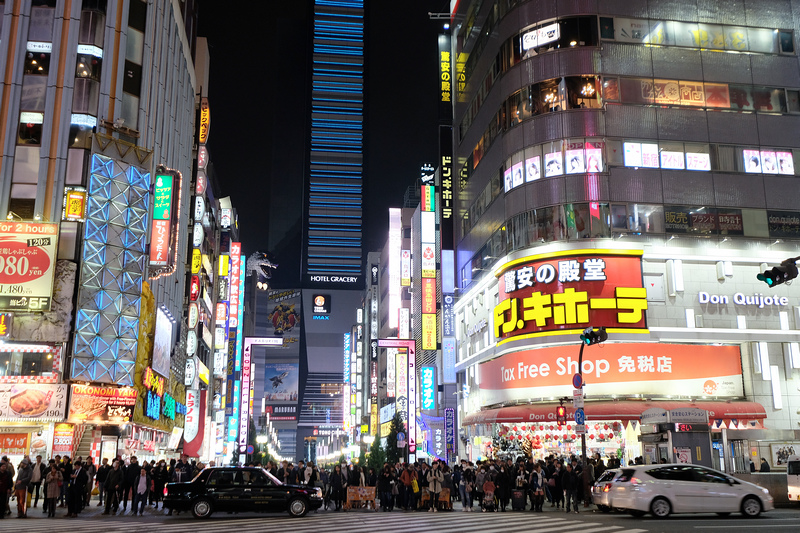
(765, 491)
(319, 492)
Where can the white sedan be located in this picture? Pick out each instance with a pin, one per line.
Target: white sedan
(663, 489)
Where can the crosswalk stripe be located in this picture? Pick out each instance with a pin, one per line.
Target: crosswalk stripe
(352, 521)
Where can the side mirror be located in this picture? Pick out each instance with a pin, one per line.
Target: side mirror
(731, 482)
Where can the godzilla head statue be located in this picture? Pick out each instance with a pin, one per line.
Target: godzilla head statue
(258, 264)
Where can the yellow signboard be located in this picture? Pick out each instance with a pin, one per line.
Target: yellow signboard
(428, 332)
(197, 261)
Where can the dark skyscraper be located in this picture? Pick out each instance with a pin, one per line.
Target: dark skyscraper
(333, 209)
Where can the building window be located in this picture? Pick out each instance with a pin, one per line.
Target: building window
(37, 63)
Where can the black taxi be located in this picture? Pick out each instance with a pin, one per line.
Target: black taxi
(240, 490)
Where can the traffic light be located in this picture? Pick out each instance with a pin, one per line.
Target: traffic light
(561, 415)
(787, 271)
(590, 336)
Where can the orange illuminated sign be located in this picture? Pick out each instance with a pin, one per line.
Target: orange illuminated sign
(205, 121)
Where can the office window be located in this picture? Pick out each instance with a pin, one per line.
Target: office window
(92, 29)
(41, 24)
(37, 63)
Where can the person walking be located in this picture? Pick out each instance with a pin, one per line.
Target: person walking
(407, 478)
(66, 472)
(113, 484)
(435, 479)
(38, 474)
(536, 484)
(76, 492)
(338, 486)
(100, 477)
(24, 473)
(504, 486)
(6, 486)
(52, 489)
(466, 486)
(570, 482)
(160, 478)
(385, 482)
(130, 475)
(91, 472)
(141, 490)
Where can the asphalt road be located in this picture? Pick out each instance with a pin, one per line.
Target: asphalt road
(367, 521)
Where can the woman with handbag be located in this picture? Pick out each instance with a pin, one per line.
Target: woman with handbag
(52, 489)
(537, 488)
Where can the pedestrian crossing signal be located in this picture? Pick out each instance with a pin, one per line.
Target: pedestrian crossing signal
(561, 415)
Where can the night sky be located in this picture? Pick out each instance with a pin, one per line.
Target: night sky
(260, 83)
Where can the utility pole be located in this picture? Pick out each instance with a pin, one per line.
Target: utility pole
(588, 338)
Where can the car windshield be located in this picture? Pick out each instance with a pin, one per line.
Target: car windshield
(793, 468)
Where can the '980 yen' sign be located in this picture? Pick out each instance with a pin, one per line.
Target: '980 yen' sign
(27, 265)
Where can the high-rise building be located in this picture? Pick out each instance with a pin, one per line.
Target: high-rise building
(97, 115)
(627, 165)
(332, 231)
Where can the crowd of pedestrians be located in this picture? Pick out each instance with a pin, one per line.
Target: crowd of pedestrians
(490, 485)
(64, 483)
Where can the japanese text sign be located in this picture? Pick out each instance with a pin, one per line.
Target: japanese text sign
(618, 369)
(569, 291)
(27, 265)
(428, 382)
(97, 404)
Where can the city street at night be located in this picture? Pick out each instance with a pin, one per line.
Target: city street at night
(365, 521)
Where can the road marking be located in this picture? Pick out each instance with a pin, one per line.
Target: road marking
(747, 527)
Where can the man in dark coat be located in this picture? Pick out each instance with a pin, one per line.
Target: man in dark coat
(76, 492)
(129, 477)
(6, 486)
(570, 483)
(113, 484)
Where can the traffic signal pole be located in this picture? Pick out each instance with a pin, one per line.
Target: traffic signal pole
(583, 435)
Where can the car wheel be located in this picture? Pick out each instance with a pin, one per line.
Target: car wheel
(660, 508)
(724, 514)
(202, 508)
(635, 512)
(751, 507)
(298, 507)
(604, 508)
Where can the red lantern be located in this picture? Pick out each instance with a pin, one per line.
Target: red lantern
(605, 426)
(591, 436)
(597, 426)
(515, 428)
(600, 436)
(541, 427)
(551, 428)
(524, 428)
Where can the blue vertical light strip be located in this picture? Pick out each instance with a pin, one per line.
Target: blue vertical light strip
(334, 245)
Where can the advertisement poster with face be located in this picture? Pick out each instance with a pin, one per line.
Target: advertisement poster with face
(552, 164)
(752, 161)
(594, 160)
(517, 178)
(769, 164)
(532, 166)
(785, 163)
(575, 162)
(507, 180)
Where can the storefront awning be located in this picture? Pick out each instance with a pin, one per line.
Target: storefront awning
(626, 411)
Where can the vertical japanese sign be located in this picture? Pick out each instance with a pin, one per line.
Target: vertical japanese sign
(405, 268)
(205, 121)
(407, 354)
(162, 218)
(391, 358)
(428, 259)
(450, 431)
(402, 382)
(346, 378)
(244, 411)
(412, 400)
(28, 259)
(445, 78)
(395, 242)
(428, 388)
(446, 186)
